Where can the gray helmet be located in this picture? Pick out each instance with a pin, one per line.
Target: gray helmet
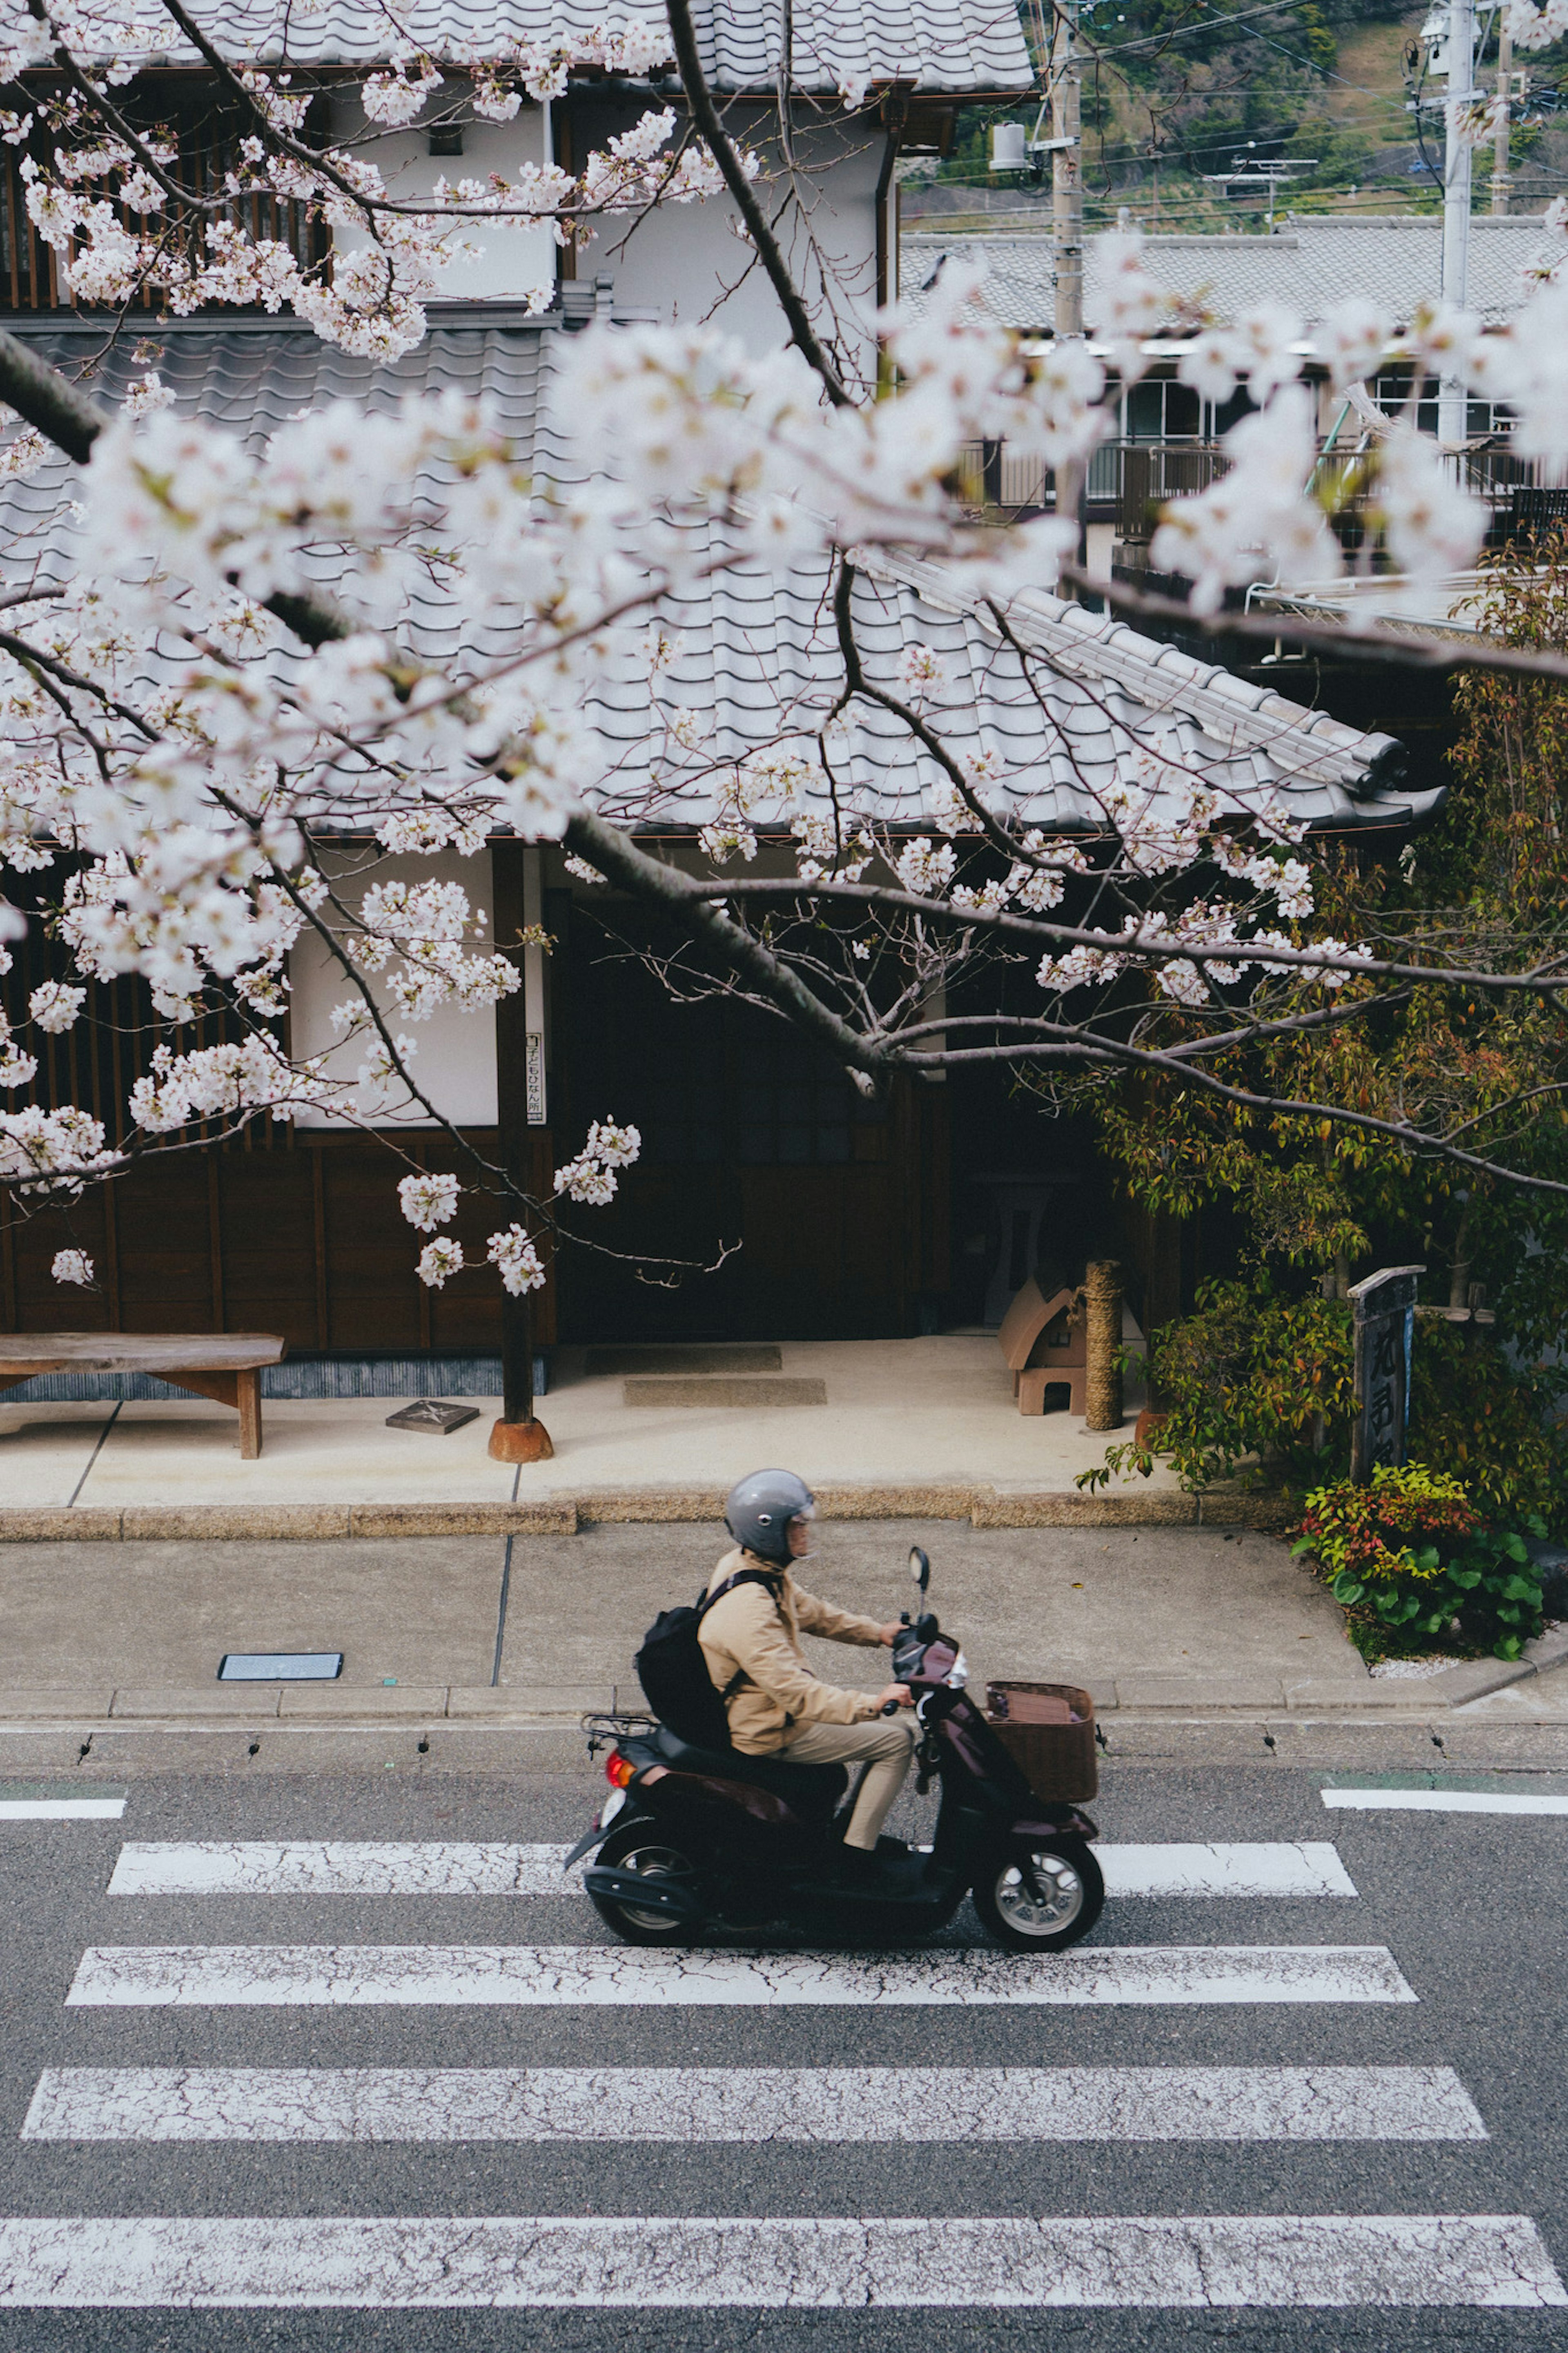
(760, 1507)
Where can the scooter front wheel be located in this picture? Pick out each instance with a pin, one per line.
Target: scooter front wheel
(643, 1848)
(1039, 1896)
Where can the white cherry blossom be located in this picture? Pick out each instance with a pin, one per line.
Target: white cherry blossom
(429, 1200)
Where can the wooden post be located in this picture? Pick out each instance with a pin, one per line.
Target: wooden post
(517, 1437)
(1102, 1388)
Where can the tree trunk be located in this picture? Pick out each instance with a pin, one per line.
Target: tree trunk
(1102, 1388)
(1459, 1274)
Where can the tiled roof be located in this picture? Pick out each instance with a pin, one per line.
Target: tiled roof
(939, 45)
(1315, 262)
(757, 646)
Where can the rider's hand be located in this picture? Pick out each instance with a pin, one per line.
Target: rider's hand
(896, 1695)
(889, 1635)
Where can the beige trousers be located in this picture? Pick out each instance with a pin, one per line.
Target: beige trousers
(883, 1747)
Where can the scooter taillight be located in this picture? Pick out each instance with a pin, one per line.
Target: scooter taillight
(618, 1769)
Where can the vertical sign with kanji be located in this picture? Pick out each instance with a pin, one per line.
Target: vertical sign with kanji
(1384, 1328)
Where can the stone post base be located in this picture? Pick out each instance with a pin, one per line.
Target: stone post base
(519, 1441)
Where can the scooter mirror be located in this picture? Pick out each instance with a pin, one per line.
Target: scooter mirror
(920, 1567)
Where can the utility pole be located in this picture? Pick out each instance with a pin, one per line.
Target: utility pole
(1505, 99)
(1451, 401)
(1067, 178)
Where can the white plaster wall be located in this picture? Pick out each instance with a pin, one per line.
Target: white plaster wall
(514, 259)
(456, 1062)
(685, 263)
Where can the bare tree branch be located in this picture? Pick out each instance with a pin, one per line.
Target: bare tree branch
(698, 97)
(649, 878)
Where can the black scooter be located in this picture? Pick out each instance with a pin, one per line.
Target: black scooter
(694, 1843)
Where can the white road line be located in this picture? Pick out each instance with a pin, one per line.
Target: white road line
(333, 1867)
(305, 1867)
(196, 1976)
(1309, 1867)
(1442, 1801)
(61, 1810)
(752, 2103)
(1193, 2263)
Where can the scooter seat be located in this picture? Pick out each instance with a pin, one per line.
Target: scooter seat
(812, 1788)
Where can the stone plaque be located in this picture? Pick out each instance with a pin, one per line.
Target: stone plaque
(1384, 1328)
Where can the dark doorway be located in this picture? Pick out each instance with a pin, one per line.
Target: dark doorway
(751, 1135)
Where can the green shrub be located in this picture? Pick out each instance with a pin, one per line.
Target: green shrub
(1250, 1373)
(1260, 1385)
(1414, 1566)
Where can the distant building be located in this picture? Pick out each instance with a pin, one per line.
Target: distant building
(1311, 262)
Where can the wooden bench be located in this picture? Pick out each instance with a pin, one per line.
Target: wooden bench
(1044, 1344)
(224, 1366)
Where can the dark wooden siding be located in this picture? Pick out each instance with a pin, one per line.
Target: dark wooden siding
(751, 1136)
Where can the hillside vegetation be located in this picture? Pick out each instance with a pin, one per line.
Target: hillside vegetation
(1177, 90)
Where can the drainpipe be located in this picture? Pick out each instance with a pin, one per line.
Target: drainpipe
(895, 116)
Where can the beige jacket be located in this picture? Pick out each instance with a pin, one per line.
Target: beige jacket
(754, 1634)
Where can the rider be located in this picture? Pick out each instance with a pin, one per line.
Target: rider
(750, 1641)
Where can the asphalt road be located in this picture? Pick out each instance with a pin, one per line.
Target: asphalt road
(1469, 1906)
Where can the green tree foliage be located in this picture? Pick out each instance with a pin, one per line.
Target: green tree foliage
(1259, 1383)
(1260, 1373)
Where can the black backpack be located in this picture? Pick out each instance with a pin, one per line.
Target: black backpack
(674, 1674)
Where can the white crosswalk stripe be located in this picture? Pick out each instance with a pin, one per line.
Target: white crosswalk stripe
(1443, 1801)
(1184, 2263)
(187, 1976)
(1312, 1867)
(61, 1810)
(344, 1867)
(752, 2103)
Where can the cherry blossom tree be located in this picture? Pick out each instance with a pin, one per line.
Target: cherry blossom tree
(231, 681)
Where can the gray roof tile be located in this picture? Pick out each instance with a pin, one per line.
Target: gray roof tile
(1312, 264)
(757, 646)
(941, 45)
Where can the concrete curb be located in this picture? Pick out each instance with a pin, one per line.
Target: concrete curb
(983, 1507)
(61, 1706)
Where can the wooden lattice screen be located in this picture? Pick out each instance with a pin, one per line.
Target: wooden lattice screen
(208, 148)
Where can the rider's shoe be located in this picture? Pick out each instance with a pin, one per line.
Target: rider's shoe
(884, 1875)
(858, 1867)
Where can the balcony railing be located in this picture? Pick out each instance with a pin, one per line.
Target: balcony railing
(1129, 482)
(29, 271)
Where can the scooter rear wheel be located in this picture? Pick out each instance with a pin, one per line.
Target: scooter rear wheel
(640, 1847)
(1040, 1895)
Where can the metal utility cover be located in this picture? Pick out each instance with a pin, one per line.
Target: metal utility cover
(280, 1667)
(429, 1413)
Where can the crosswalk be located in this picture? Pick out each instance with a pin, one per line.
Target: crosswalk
(607, 2262)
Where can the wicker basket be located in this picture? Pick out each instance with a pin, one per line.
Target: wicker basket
(1048, 1729)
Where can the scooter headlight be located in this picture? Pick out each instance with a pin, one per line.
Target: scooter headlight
(958, 1674)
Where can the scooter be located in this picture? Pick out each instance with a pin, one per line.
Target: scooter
(694, 1842)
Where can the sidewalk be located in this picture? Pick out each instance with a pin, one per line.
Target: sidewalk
(476, 1601)
(109, 1651)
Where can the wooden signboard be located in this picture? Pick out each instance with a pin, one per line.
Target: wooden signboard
(1384, 1327)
